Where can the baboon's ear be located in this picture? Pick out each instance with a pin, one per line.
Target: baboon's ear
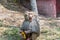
(25, 15)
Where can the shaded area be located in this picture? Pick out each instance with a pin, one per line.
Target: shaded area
(58, 14)
(10, 5)
(58, 7)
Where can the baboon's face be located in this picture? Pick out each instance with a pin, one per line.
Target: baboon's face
(30, 15)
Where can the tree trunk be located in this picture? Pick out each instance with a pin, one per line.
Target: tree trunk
(34, 6)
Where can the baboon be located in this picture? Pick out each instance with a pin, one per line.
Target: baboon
(25, 26)
(34, 27)
(31, 25)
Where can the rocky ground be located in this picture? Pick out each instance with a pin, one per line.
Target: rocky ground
(12, 15)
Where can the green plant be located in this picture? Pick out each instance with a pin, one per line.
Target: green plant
(53, 24)
(12, 34)
(1, 23)
(15, 0)
(58, 29)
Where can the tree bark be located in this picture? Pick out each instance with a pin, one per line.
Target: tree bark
(34, 6)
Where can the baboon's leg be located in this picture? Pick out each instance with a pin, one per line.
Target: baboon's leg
(34, 36)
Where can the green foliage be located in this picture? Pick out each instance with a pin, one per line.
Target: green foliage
(57, 28)
(15, 0)
(44, 31)
(53, 24)
(1, 23)
(12, 34)
(11, 31)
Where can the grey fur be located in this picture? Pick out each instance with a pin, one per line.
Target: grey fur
(34, 26)
(31, 27)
